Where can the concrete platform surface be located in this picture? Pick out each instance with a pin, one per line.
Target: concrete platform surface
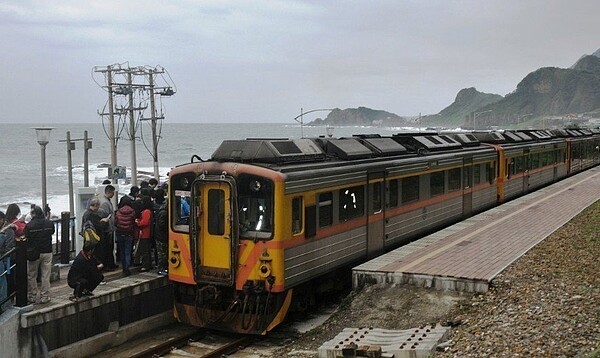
(469, 255)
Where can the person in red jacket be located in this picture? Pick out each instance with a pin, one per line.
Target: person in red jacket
(144, 226)
(125, 227)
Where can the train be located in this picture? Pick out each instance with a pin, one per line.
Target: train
(252, 227)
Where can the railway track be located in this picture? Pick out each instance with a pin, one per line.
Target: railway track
(177, 340)
(202, 344)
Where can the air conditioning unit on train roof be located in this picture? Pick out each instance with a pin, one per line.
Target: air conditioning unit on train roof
(381, 146)
(466, 139)
(345, 148)
(426, 142)
(264, 150)
(512, 137)
(492, 137)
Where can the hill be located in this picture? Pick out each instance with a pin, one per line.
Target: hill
(360, 116)
(551, 91)
(467, 101)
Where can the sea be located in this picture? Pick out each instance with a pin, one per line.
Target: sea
(21, 178)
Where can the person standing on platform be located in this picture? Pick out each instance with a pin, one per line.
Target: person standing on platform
(84, 275)
(106, 246)
(152, 183)
(39, 233)
(143, 225)
(125, 227)
(160, 230)
(7, 243)
(13, 216)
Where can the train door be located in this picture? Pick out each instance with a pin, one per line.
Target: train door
(526, 172)
(212, 231)
(375, 213)
(467, 186)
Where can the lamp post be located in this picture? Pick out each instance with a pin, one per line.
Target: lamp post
(43, 138)
(301, 116)
(475, 114)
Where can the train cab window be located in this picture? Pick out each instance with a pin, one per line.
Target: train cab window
(436, 183)
(410, 189)
(352, 202)
(454, 179)
(296, 215)
(393, 193)
(325, 209)
(180, 201)
(255, 205)
(216, 212)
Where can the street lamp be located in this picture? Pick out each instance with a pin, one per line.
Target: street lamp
(301, 116)
(475, 114)
(43, 138)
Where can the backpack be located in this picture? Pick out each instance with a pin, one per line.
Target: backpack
(161, 224)
(90, 236)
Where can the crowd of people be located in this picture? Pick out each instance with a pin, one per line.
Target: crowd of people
(138, 226)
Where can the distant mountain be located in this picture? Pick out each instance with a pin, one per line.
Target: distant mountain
(551, 91)
(360, 116)
(467, 101)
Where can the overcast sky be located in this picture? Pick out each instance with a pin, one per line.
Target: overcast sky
(261, 61)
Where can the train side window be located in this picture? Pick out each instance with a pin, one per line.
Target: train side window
(216, 212)
(310, 229)
(490, 173)
(535, 161)
(376, 197)
(296, 215)
(352, 202)
(454, 179)
(325, 209)
(393, 193)
(410, 189)
(468, 178)
(436, 183)
(519, 165)
(476, 174)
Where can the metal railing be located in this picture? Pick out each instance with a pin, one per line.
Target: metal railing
(63, 247)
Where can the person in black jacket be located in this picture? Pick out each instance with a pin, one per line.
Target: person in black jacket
(39, 233)
(84, 275)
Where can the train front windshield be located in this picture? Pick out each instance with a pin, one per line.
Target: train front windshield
(255, 207)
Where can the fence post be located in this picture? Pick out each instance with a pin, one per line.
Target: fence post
(65, 252)
(21, 272)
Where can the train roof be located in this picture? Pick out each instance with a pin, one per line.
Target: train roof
(281, 152)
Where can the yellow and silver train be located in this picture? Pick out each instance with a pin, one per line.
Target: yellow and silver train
(252, 226)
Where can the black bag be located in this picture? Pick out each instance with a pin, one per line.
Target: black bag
(33, 253)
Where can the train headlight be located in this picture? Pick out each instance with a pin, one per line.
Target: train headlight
(175, 255)
(265, 270)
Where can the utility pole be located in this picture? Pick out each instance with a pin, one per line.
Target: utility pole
(132, 131)
(123, 84)
(111, 119)
(153, 124)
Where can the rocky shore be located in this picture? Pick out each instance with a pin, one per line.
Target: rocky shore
(546, 304)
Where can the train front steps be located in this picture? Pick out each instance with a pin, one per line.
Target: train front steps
(118, 311)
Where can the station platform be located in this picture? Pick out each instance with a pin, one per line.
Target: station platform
(120, 309)
(469, 255)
